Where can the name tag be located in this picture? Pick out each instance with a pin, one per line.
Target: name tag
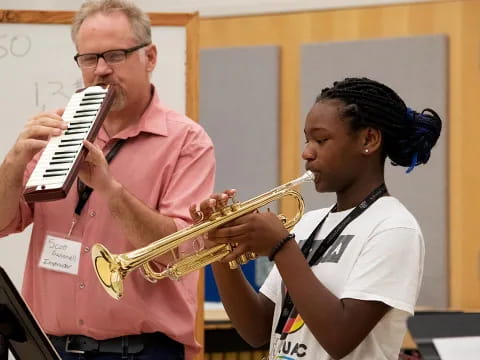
(60, 254)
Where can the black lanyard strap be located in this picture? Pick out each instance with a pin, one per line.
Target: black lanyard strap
(288, 306)
(85, 191)
(333, 235)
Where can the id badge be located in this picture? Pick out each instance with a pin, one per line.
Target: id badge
(60, 254)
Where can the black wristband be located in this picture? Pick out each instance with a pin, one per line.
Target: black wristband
(279, 245)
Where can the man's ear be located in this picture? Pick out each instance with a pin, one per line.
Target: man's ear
(371, 140)
(151, 55)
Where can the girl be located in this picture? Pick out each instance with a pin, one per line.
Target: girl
(348, 276)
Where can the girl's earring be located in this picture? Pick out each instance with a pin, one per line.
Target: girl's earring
(366, 151)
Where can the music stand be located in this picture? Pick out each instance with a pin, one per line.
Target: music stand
(22, 334)
(424, 327)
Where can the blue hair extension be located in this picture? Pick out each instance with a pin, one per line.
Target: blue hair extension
(410, 114)
(413, 163)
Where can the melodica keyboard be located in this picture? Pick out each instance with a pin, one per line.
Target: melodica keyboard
(58, 165)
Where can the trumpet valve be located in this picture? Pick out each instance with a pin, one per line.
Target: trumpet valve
(233, 264)
(242, 259)
(235, 204)
(216, 215)
(227, 210)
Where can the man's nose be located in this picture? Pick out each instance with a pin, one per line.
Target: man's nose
(102, 67)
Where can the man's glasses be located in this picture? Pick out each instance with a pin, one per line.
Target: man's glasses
(111, 57)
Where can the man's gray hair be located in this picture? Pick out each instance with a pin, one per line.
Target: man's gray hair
(139, 21)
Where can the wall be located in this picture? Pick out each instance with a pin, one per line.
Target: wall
(460, 21)
(210, 7)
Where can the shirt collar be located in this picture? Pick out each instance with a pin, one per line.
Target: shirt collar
(153, 121)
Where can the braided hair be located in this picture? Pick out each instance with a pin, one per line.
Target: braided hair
(408, 136)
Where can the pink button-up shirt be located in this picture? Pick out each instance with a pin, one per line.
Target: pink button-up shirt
(168, 163)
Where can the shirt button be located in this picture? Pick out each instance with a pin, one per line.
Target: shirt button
(92, 213)
(82, 286)
(87, 249)
(80, 322)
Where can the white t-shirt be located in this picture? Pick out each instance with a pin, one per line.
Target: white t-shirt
(378, 256)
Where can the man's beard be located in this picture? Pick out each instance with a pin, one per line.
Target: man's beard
(119, 101)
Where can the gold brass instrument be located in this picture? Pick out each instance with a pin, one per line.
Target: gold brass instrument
(111, 269)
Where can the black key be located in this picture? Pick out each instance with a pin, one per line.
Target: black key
(60, 162)
(75, 132)
(67, 145)
(64, 152)
(79, 122)
(102, 94)
(62, 157)
(69, 140)
(53, 175)
(84, 115)
(55, 170)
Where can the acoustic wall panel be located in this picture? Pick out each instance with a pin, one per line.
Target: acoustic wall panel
(416, 68)
(239, 109)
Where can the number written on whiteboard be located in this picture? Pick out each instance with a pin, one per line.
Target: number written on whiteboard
(17, 45)
(52, 94)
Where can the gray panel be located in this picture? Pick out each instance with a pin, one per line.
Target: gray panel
(416, 68)
(239, 109)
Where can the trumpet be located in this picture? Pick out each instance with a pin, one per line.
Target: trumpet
(112, 269)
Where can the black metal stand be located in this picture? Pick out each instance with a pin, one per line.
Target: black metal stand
(3, 348)
(9, 329)
(22, 336)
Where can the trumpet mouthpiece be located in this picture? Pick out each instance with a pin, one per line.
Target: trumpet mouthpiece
(307, 176)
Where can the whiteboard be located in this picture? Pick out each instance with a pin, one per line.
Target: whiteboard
(37, 72)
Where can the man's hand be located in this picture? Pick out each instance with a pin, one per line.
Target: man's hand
(94, 170)
(35, 136)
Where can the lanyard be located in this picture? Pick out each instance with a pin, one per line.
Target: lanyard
(288, 307)
(85, 191)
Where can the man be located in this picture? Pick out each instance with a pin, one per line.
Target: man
(165, 163)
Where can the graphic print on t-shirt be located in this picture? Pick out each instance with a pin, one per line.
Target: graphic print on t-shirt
(293, 324)
(289, 350)
(333, 253)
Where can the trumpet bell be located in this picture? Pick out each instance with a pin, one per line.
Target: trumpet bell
(108, 271)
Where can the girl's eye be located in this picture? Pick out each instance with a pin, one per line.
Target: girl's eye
(318, 141)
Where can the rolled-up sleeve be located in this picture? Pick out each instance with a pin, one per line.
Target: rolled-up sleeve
(24, 214)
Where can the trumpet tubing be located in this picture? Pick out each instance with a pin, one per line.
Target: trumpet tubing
(112, 269)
